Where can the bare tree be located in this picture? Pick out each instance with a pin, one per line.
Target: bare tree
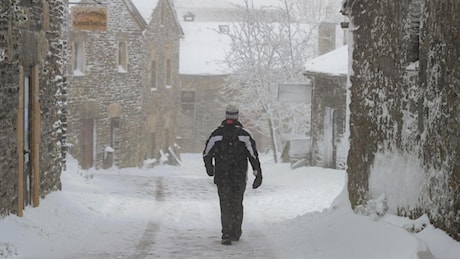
(270, 46)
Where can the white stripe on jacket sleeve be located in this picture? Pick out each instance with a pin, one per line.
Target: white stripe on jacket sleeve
(212, 141)
(247, 141)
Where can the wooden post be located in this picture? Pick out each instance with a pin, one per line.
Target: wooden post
(35, 142)
(20, 144)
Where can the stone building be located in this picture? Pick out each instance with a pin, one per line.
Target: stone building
(32, 97)
(105, 126)
(124, 81)
(202, 78)
(328, 74)
(161, 83)
(405, 106)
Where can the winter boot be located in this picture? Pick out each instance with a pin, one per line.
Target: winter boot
(236, 235)
(235, 238)
(226, 240)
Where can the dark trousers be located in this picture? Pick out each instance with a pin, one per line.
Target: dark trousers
(231, 208)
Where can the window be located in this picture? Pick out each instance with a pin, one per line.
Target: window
(115, 140)
(122, 56)
(78, 58)
(188, 102)
(114, 131)
(168, 72)
(189, 17)
(162, 16)
(153, 74)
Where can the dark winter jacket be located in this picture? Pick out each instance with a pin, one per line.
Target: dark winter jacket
(227, 152)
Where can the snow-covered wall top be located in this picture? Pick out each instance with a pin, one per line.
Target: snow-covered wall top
(331, 63)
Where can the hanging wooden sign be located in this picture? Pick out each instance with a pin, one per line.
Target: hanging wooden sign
(89, 18)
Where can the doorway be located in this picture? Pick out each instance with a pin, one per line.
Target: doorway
(87, 142)
(27, 180)
(329, 137)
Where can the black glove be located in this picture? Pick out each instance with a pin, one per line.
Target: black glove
(258, 180)
(210, 170)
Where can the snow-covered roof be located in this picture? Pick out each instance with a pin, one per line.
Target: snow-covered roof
(225, 3)
(210, 14)
(203, 49)
(145, 8)
(332, 63)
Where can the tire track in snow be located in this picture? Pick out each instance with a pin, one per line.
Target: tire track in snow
(147, 241)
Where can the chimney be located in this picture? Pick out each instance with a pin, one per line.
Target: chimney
(326, 39)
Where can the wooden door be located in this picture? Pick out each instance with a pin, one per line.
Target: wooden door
(328, 139)
(86, 143)
(334, 139)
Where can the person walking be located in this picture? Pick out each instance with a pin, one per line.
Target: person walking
(226, 155)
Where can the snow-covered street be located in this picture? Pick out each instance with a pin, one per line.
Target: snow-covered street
(179, 210)
(173, 212)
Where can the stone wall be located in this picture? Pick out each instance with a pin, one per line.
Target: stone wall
(439, 110)
(404, 107)
(375, 65)
(53, 107)
(37, 42)
(9, 85)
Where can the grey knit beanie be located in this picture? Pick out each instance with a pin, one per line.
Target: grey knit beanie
(231, 112)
